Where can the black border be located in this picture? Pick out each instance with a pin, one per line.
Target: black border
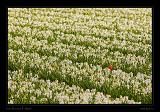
(81, 3)
(81, 107)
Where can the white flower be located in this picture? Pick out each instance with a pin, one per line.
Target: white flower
(10, 102)
(33, 99)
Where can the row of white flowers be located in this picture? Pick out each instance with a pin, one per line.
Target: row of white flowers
(39, 91)
(90, 26)
(46, 34)
(79, 71)
(72, 50)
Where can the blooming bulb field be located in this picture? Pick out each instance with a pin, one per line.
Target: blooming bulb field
(79, 56)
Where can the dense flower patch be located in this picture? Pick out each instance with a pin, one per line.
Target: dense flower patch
(79, 56)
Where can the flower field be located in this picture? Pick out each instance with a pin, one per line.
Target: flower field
(79, 56)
